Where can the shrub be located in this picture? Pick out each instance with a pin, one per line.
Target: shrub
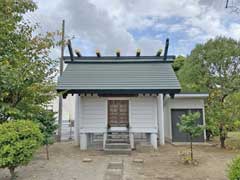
(18, 142)
(234, 169)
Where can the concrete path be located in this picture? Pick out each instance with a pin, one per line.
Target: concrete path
(114, 171)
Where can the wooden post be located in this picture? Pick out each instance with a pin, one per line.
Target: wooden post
(227, 4)
(118, 53)
(166, 50)
(159, 52)
(70, 49)
(77, 51)
(60, 96)
(138, 52)
(98, 53)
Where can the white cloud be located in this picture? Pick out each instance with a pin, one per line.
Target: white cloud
(234, 30)
(106, 24)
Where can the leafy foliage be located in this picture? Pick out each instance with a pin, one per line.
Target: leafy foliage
(178, 63)
(26, 70)
(189, 124)
(234, 169)
(18, 142)
(214, 67)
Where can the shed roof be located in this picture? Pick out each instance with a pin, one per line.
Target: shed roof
(119, 76)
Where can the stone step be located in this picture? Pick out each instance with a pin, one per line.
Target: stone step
(118, 132)
(117, 146)
(112, 136)
(118, 129)
(117, 151)
(119, 140)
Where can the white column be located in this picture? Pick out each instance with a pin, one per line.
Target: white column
(153, 139)
(83, 141)
(160, 119)
(77, 119)
(131, 138)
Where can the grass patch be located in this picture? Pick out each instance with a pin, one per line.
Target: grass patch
(233, 140)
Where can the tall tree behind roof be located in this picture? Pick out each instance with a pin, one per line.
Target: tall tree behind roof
(26, 70)
(214, 67)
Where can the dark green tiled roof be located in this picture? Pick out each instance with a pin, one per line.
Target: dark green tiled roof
(152, 76)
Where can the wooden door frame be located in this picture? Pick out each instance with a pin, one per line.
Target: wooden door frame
(129, 108)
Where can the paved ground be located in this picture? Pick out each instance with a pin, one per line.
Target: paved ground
(66, 163)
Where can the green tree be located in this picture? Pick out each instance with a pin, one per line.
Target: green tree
(26, 70)
(232, 106)
(18, 142)
(189, 125)
(48, 125)
(234, 169)
(214, 67)
(178, 63)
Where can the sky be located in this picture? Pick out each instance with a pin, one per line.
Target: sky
(108, 25)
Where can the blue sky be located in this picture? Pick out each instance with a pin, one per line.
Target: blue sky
(130, 24)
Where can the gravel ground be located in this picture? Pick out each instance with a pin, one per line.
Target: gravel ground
(66, 163)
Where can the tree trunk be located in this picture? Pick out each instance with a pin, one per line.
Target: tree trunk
(222, 136)
(47, 152)
(222, 140)
(208, 134)
(11, 169)
(191, 148)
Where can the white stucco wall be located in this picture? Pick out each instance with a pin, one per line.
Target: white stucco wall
(93, 113)
(142, 113)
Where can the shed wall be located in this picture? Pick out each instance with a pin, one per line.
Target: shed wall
(179, 103)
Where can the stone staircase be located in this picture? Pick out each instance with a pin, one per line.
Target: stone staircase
(117, 142)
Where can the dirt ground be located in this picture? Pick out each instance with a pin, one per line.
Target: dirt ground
(66, 163)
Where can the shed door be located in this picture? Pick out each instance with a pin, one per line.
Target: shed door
(118, 113)
(178, 136)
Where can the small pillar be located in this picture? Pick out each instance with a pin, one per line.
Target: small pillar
(131, 138)
(153, 139)
(83, 141)
(104, 139)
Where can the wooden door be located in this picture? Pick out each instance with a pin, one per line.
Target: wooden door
(118, 113)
